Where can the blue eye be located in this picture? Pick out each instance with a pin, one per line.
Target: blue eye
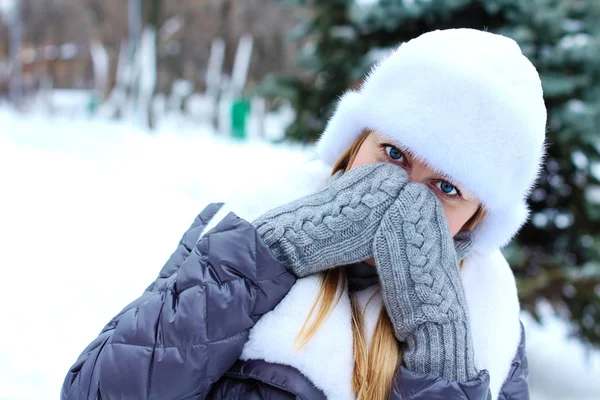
(394, 152)
(447, 188)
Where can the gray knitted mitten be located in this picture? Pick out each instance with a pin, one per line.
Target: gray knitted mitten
(335, 226)
(418, 264)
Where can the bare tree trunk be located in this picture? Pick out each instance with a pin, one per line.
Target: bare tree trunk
(16, 39)
(152, 11)
(134, 19)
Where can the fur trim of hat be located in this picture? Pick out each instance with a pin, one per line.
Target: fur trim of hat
(466, 102)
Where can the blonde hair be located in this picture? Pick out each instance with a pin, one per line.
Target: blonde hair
(375, 367)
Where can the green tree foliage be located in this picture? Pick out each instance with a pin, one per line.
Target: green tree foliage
(556, 256)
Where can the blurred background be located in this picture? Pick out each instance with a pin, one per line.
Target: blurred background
(121, 119)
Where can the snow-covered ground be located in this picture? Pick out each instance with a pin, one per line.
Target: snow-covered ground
(89, 211)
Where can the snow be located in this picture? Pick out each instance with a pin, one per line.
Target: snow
(592, 194)
(573, 41)
(90, 212)
(366, 2)
(560, 368)
(69, 101)
(595, 170)
(91, 209)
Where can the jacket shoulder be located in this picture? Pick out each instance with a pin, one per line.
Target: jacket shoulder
(178, 332)
(189, 239)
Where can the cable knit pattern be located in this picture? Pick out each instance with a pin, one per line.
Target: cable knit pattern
(335, 226)
(423, 294)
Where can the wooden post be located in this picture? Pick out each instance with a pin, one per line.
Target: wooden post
(214, 73)
(16, 78)
(241, 65)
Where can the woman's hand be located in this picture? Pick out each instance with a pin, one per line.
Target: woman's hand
(335, 226)
(418, 263)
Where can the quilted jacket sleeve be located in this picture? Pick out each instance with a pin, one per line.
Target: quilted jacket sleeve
(189, 327)
(410, 385)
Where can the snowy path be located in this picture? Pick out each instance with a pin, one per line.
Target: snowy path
(88, 214)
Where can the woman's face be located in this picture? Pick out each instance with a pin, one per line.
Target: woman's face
(459, 205)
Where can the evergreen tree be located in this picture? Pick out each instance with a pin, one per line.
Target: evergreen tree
(557, 255)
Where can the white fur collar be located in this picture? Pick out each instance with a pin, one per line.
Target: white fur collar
(327, 360)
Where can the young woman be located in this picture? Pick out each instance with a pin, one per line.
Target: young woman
(382, 281)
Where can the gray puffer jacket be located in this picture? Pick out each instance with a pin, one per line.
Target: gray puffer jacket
(182, 338)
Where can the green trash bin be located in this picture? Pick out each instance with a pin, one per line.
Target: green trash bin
(93, 103)
(239, 118)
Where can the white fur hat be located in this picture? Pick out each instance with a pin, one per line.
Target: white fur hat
(470, 105)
